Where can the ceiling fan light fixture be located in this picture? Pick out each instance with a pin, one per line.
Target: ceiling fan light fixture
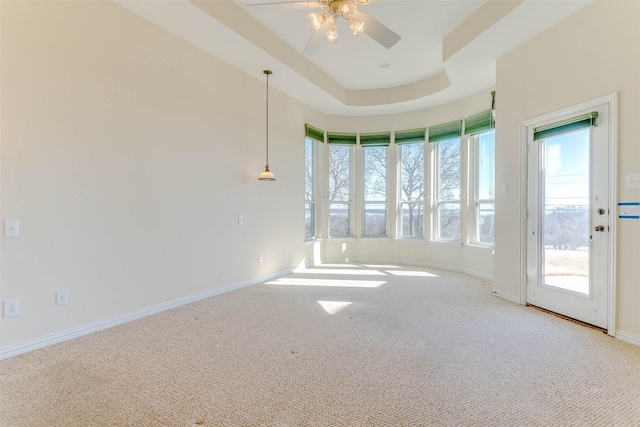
(357, 24)
(348, 9)
(315, 20)
(331, 36)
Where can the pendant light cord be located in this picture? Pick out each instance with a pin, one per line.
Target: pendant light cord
(267, 72)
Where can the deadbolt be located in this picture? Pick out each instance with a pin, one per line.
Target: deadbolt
(600, 211)
(599, 228)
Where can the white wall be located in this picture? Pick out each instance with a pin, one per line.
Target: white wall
(127, 156)
(592, 53)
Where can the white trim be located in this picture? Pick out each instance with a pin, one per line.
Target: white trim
(512, 298)
(613, 218)
(612, 101)
(628, 337)
(34, 344)
(470, 272)
(477, 273)
(524, 192)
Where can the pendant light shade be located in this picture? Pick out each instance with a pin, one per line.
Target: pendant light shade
(267, 175)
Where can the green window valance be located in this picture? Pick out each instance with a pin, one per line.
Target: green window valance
(410, 135)
(563, 126)
(375, 139)
(445, 131)
(344, 138)
(479, 122)
(314, 133)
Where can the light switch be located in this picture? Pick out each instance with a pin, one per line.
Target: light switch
(240, 220)
(504, 189)
(633, 180)
(11, 228)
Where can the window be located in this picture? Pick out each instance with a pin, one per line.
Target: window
(309, 190)
(485, 184)
(411, 164)
(313, 136)
(480, 127)
(375, 191)
(448, 183)
(340, 155)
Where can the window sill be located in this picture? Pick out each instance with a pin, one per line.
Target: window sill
(412, 240)
(479, 247)
(446, 242)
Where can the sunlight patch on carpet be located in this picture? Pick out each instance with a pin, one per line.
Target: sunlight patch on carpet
(411, 273)
(333, 307)
(358, 272)
(292, 281)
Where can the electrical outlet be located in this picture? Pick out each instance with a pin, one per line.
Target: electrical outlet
(11, 228)
(11, 307)
(61, 297)
(260, 258)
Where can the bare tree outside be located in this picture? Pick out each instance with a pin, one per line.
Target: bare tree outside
(448, 191)
(412, 189)
(375, 191)
(308, 170)
(339, 190)
(309, 205)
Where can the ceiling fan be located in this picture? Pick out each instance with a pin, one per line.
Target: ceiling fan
(324, 23)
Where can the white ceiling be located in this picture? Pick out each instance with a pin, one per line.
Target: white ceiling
(347, 79)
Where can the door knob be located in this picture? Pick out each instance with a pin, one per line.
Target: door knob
(598, 228)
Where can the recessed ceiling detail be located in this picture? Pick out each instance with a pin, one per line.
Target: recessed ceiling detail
(447, 52)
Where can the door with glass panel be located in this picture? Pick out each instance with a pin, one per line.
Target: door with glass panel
(568, 216)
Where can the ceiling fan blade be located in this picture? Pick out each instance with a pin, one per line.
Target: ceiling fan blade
(315, 41)
(379, 32)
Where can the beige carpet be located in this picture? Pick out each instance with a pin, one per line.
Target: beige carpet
(333, 346)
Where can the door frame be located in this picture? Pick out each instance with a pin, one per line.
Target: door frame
(527, 126)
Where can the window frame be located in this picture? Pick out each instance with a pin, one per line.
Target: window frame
(476, 200)
(366, 202)
(348, 202)
(421, 198)
(314, 192)
(437, 201)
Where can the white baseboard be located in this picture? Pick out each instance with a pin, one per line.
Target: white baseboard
(628, 337)
(471, 272)
(34, 344)
(508, 297)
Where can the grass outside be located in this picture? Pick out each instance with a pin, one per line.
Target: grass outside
(566, 262)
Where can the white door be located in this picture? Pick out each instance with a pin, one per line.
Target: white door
(568, 217)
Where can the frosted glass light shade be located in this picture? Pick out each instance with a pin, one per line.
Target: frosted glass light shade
(356, 24)
(267, 175)
(315, 20)
(348, 9)
(331, 37)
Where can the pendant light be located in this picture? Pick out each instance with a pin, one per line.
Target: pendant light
(267, 175)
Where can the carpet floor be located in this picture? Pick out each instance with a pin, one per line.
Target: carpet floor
(335, 345)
